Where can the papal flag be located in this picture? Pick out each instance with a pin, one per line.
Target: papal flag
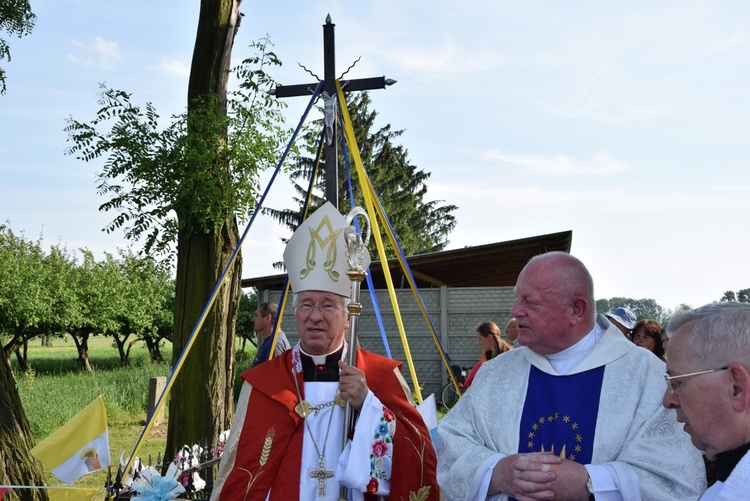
(80, 447)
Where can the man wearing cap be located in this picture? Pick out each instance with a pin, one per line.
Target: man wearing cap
(286, 440)
(708, 378)
(623, 319)
(575, 413)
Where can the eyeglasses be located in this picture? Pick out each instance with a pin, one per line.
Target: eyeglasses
(325, 309)
(673, 386)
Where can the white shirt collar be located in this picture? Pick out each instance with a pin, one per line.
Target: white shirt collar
(564, 361)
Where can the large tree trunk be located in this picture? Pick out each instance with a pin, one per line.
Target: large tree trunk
(201, 397)
(17, 465)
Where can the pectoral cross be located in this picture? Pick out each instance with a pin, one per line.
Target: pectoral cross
(322, 475)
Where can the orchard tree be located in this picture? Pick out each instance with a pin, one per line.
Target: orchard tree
(146, 291)
(16, 19)
(421, 225)
(22, 291)
(187, 184)
(96, 297)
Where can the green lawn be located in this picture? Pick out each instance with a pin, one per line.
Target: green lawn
(55, 389)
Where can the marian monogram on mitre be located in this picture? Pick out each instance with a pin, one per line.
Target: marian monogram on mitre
(322, 249)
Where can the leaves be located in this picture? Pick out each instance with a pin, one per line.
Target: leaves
(202, 167)
(16, 18)
(54, 293)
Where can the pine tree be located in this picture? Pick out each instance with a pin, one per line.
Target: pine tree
(421, 225)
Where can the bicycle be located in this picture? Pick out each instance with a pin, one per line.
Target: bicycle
(448, 395)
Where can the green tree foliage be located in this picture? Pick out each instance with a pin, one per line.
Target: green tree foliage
(145, 306)
(421, 225)
(742, 296)
(16, 19)
(186, 185)
(52, 294)
(159, 177)
(245, 327)
(643, 308)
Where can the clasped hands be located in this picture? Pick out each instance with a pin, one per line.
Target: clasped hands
(539, 475)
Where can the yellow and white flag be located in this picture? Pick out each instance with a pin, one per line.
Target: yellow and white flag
(80, 447)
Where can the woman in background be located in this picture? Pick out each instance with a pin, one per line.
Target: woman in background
(647, 334)
(489, 337)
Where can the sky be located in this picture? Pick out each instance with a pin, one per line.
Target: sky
(626, 123)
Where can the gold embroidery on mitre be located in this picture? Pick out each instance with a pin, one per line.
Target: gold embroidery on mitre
(330, 241)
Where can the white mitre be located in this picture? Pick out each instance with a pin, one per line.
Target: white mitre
(316, 254)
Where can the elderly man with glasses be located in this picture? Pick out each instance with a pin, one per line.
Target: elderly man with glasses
(708, 378)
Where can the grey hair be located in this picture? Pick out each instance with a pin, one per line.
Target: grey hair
(345, 300)
(721, 332)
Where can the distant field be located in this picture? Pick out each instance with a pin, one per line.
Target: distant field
(55, 389)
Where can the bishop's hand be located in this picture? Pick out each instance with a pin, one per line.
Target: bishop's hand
(352, 385)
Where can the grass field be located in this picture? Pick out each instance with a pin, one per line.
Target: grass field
(55, 389)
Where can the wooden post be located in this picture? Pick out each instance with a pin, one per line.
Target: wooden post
(155, 388)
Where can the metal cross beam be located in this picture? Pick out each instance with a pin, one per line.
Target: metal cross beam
(329, 94)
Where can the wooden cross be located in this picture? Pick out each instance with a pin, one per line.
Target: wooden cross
(329, 89)
(322, 475)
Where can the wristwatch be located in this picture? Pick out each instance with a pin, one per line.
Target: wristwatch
(590, 488)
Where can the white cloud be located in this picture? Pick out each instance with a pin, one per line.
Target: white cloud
(100, 52)
(444, 60)
(174, 67)
(601, 164)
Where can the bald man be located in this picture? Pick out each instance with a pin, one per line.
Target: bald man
(574, 413)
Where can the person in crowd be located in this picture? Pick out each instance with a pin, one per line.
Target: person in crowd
(489, 337)
(574, 413)
(664, 340)
(647, 334)
(286, 441)
(708, 384)
(622, 318)
(265, 317)
(511, 332)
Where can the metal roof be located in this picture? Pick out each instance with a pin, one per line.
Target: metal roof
(488, 265)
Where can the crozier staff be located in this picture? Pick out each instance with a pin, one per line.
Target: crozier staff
(286, 442)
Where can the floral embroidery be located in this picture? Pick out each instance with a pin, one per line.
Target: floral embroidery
(296, 360)
(372, 486)
(388, 415)
(381, 450)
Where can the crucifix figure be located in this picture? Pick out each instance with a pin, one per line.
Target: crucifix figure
(329, 95)
(322, 475)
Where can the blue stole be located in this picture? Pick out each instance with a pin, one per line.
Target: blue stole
(559, 414)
